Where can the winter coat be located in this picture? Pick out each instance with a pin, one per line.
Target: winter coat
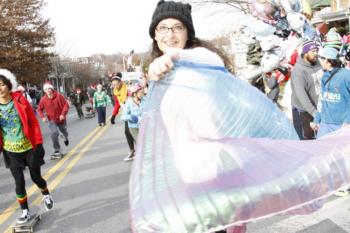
(30, 124)
(54, 107)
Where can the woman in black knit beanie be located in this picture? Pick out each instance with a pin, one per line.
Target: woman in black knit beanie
(174, 37)
(173, 34)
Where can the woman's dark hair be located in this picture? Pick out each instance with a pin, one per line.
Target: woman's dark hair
(194, 42)
(6, 82)
(335, 63)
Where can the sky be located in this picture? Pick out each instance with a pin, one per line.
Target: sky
(86, 27)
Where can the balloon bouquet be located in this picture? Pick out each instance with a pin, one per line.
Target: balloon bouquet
(280, 27)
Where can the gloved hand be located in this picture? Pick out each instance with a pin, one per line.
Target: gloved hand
(113, 120)
(134, 119)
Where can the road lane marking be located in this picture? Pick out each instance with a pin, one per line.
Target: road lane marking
(53, 184)
(7, 213)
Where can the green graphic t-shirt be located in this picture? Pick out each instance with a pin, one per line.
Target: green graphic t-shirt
(11, 127)
(101, 99)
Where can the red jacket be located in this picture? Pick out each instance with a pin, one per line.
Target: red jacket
(54, 107)
(30, 124)
(116, 106)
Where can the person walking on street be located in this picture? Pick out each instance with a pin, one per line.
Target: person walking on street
(78, 100)
(306, 88)
(21, 142)
(56, 107)
(120, 93)
(132, 112)
(100, 101)
(90, 93)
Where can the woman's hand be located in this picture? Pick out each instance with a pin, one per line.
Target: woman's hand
(314, 126)
(163, 64)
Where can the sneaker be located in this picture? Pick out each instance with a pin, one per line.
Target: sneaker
(66, 142)
(56, 155)
(25, 217)
(47, 199)
(130, 156)
(342, 193)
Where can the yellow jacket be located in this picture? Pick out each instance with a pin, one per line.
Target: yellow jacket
(121, 94)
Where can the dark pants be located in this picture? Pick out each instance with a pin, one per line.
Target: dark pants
(129, 137)
(101, 115)
(301, 122)
(35, 174)
(79, 110)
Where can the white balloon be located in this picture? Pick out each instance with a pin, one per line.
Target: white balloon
(296, 21)
(258, 28)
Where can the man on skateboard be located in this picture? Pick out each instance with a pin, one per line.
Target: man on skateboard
(56, 108)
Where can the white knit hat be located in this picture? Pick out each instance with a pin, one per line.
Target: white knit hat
(11, 77)
(47, 85)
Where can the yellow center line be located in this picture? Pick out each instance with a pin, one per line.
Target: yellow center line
(53, 184)
(13, 207)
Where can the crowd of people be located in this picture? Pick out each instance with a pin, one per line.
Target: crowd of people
(320, 98)
(21, 139)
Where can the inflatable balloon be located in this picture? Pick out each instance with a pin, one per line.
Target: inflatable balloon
(258, 28)
(276, 24)
(214, 152)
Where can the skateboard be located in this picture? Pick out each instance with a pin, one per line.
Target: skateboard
(57, 156)
(28, 226)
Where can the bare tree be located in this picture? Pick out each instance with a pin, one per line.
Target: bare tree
(230, 5)
(24, 39)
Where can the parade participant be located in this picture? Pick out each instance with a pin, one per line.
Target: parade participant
(90, 93)
(120, 93)
(100, 101)
(21, 142)
(78, 100)
(196, 138)
(305, 82)
(132, 112)
(173, 37)
(55, 107)
(335, 98)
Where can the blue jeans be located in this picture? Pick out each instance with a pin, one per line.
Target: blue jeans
(301, 122)
(101, 115)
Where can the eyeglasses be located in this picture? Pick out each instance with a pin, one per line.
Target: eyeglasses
(322, 58)
(175, 29)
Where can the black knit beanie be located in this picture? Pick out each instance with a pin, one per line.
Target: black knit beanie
(171, 9)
